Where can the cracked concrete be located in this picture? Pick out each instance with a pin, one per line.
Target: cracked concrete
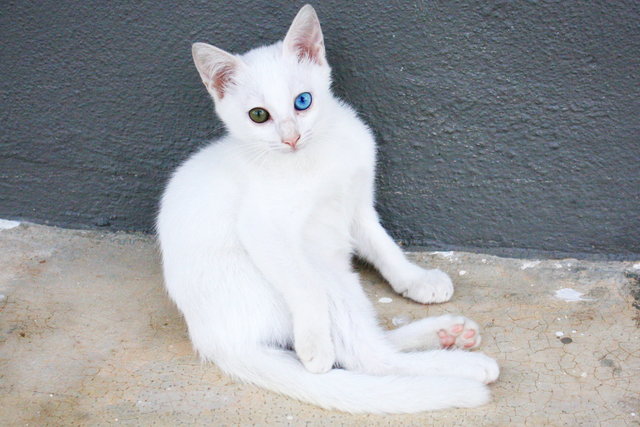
(88, 336)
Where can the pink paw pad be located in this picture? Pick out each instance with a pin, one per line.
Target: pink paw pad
(458, 336)
(446, 340)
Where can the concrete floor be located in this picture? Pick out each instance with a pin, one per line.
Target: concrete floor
(88, 337)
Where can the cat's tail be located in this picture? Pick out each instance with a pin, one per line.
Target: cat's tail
(282, 372)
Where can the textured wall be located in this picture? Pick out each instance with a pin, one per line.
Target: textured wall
(500, 124)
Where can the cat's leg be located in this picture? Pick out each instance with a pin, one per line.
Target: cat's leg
(374, 355)
(378, 357)
(446, 331)
(278, 256)
(375, 245)
(454, 363)
(362, 345)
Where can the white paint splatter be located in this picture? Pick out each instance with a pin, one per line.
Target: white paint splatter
(583, 375)
(6, 224)
(462, 272)
(559, 333)
(289, 417)
(483, 260)
(400, 320)
(385, 300)
(636, 266)
(570, 295)
(529, 264)
(557, 265)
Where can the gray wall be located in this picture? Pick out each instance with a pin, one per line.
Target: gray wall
(503, 126)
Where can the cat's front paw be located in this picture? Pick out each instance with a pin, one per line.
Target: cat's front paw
(315, 351)
(427, 286)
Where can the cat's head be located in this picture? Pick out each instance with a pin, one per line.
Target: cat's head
(271, 95)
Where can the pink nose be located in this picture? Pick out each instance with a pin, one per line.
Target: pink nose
(292, 141)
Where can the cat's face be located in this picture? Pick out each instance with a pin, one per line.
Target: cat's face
(275, 99)
(271, 96)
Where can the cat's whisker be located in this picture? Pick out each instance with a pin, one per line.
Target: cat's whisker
(247, 150)
(262, 161)
(216, 131)
(259, 157)
(253, 152)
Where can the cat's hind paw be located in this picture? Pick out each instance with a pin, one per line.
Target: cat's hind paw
(460, 333)
(486, 368)
(475, 366)
(428, 286)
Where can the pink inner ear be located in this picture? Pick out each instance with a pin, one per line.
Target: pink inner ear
(221, 79)
(305, 49)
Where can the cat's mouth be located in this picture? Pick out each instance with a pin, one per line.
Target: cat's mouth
(293, 148)
(292, 145)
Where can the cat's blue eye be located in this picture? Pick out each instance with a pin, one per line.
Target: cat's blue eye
(303, 101)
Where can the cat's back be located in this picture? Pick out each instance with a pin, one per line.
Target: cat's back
(204, 185)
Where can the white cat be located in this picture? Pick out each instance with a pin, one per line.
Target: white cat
(257, 232)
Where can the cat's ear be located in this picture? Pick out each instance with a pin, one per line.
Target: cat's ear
(304, 38)
(216, 67)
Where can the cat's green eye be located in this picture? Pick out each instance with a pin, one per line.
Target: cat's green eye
(259, 115)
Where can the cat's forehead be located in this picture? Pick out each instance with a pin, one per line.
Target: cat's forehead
(271, 74)
(263, 55)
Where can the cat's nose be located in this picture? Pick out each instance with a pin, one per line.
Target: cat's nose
(289, 132)
(291, 141)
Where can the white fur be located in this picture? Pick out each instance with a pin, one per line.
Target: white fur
(257, 238)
